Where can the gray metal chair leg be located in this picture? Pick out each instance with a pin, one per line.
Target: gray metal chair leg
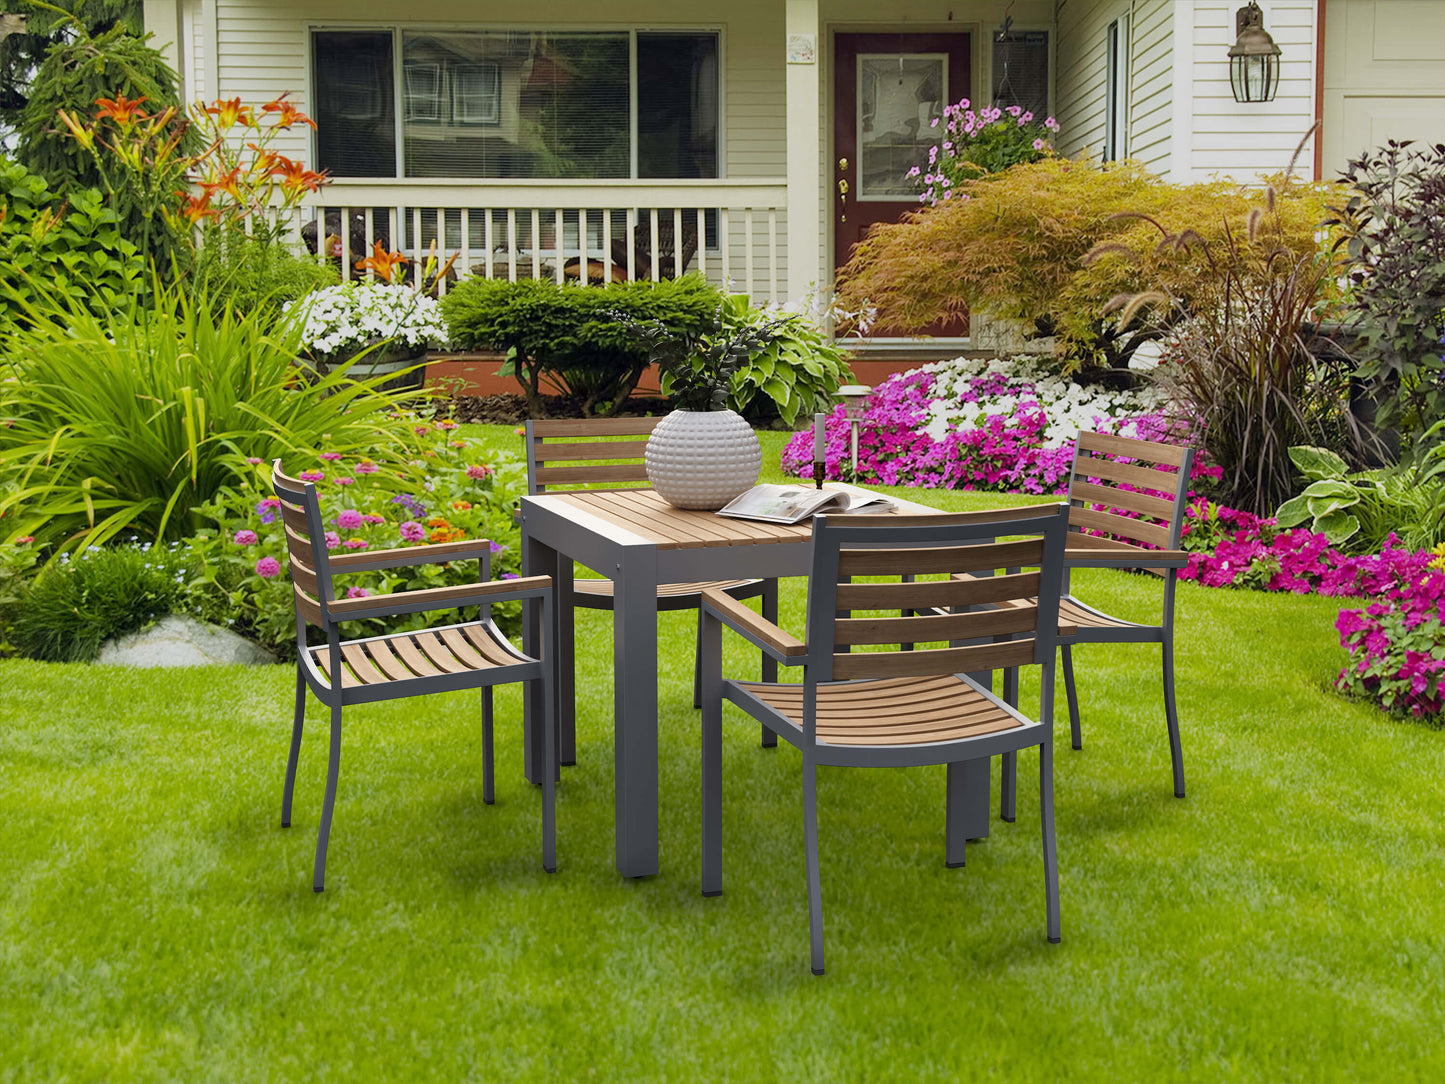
(333, 769)
(1051, 857)
(488, 775)
(711, 643)
(1176, 749)
(294, 756)
(770, 664)
(815, 884)
(547, 698)
(1072, 692)
(1008, 787)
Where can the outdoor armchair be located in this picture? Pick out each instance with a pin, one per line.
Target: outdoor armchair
(887, 706)
(1127, 502)
(556, 457)
(468, 655)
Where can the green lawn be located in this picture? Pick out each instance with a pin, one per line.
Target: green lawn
(1282, 923)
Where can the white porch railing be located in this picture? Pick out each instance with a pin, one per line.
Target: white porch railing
(728, 230)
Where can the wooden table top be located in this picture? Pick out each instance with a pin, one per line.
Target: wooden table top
(642, 514)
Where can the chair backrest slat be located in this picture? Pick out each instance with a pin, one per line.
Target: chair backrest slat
(944, 660)
(1135, 530)
(923, 562)
(944, 593)
(586, 463)
(1150, 451)
(1101, 488)
(842, 614)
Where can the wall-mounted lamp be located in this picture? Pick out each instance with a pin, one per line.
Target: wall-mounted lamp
(1253, 58)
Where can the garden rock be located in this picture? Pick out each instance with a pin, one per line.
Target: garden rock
(183, 641)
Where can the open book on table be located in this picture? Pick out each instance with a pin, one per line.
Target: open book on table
(792, 504)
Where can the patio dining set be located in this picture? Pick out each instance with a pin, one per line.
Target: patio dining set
(910, 614)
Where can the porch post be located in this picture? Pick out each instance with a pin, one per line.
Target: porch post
(804, 48)
(163, 19)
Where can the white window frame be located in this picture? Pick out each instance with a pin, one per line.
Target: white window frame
(1116, 90)
(424, 106)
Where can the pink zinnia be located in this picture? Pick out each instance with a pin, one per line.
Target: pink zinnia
(254, 460)
(332, 540)
(343, 481)
(313, 476)
(366, 466)
(331, 456)
(355, 544)
(350, 520)
(267, 567)
(244, 538)
(478, 471)
(412, 531)
(357, 592)
(25, 540)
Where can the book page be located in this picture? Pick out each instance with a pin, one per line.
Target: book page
(781, 504)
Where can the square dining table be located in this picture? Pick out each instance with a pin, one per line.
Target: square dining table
(636, 539)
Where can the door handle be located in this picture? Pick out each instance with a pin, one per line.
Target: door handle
(843, 196)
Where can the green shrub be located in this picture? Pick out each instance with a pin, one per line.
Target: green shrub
(71, 248)
(75, 605)
(251, 275)
(565, 334)
(117, 425)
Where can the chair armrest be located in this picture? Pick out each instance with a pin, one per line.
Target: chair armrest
(781, 645)
(437, 598)
(434, 554)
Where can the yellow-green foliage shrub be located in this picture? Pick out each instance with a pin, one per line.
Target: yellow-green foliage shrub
(1016, 250)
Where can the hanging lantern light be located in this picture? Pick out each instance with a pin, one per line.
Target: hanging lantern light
(1253, 58)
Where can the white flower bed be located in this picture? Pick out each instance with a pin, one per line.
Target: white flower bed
(966, 392)
(347, 318)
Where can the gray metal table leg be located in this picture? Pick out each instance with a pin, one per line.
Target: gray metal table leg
(634, 635)
(563, 614)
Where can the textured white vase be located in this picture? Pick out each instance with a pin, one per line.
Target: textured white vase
(703, 459)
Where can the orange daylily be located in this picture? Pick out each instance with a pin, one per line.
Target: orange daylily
(289, 113)
(84, 136)
(229, 112)
(294, 176)
(382, 262)
(197, 208)
(124, 111)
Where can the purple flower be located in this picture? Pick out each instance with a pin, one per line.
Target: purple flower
(267, 567)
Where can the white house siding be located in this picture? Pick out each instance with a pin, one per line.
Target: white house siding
(1151, 84)
(1244, 140)
(1081, 66)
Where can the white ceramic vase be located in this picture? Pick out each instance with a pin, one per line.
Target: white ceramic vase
(703, 459)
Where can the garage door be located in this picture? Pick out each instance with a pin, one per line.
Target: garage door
(1384, 75)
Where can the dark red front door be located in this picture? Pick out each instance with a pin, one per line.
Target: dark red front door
(887, 91)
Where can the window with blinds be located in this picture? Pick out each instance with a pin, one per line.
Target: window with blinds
(518, 104)
(1021, 70)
